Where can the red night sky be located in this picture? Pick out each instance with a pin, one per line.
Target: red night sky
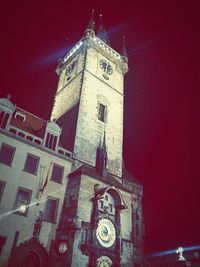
(161, 127)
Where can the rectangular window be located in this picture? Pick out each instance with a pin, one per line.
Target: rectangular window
(51, 208)
(22, 201)
(31, 164)
(102, 112)
(57, 173)
(6, 154)
(2, 186)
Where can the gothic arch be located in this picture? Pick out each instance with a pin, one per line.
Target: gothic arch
(29, 254)
(115, 193)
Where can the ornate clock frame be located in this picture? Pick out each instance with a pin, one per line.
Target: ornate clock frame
(103, 212)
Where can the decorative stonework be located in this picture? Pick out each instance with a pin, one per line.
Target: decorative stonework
(7, 105)
(29, 253)
(53, 128)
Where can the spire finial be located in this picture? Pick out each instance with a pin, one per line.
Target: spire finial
(90, 28)
(124, 52)
(8, 96)
(102, 34)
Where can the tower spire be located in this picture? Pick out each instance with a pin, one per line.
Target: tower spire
(124, 52)
(90, 28)
(101, 157)
(102, 34)
(103, 146)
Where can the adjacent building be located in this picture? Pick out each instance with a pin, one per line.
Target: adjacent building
(65, 197)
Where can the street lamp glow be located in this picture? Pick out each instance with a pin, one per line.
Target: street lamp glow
(22, 208)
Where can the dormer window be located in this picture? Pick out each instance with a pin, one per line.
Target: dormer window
(51, 141)
(20, 117)
(52, 135)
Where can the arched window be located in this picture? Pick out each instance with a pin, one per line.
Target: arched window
(52, 135)
(51, 141)
(3, 119)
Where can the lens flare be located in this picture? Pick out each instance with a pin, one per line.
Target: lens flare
(33, 203)
(172, 251)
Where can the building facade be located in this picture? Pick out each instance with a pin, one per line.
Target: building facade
(66, 198)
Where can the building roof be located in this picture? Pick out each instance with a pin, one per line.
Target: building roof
(32, 124)
(132, 186)
(128, 176)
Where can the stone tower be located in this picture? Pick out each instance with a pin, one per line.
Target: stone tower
(101, 220)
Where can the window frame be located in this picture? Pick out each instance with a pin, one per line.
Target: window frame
(27, 204)
(54, 220)
(51, 141)
(13, 154)
(27, 170)
(19, 114)
(62, 174)
(2, 190)
(102, 112)
(4, 118)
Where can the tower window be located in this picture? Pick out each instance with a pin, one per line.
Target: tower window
(51, 208)
(102, 112)
(31, 164)
(22, 201)
(6, 154)
(57, 173)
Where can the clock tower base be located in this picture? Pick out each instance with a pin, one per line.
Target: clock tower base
(95, 227)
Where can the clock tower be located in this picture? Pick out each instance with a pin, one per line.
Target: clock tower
(101, 220)
(89, 101)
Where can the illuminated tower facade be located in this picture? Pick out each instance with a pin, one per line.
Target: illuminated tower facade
(101, 220)
(89, 101)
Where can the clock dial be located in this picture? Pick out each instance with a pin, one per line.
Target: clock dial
(71, 67)
(105, 66)
(106, 233)
(62, 247)
(104, 261)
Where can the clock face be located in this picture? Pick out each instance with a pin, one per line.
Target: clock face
(105, 233)
(105, 66)
(104, 261)
(71, 67)
(62, 247)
